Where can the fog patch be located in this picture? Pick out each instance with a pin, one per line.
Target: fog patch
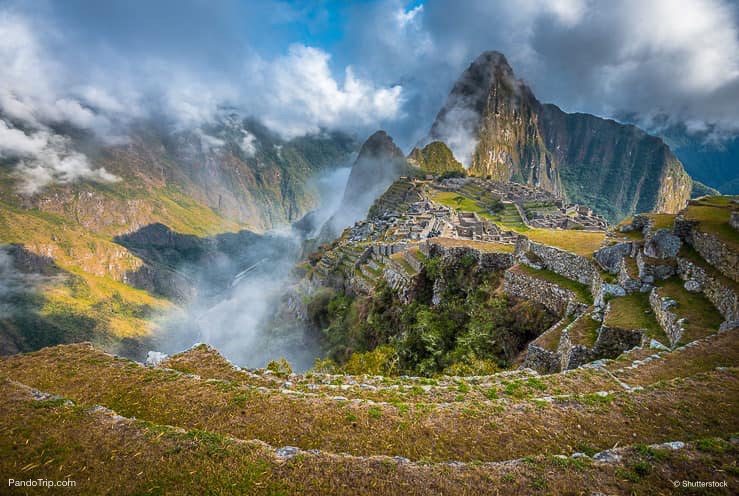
(238, 317)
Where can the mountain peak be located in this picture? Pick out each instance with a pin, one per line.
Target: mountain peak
(379, 146)
(494, 125)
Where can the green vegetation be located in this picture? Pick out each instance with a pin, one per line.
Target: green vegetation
(701, 316)
(634, 312)
(436, 158)
(473, 330)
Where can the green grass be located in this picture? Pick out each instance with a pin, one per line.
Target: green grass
(702, 318)
(581, 291)
(712, 214)
(584, 331)
(634, 312)
(457, 201)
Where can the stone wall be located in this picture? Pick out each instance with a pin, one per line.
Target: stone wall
(716, 253)
(654, 269)
(612, 341)
(610, 257)
(564, 263)
(630, 282)
(718, 292)
(486, 261)
(542, 360)
(385, 250)
(734, 220)
(522, 285)
(572, 356)
(601, 289)
(670, 323)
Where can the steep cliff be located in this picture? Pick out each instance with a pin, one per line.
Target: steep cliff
(379, 163)
(494, 122)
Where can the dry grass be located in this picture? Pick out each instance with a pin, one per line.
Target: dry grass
(468, 431)
(549, 340)
(661, 221)
(712, 214)
(584, 331)
(124, 456)
(582, 243)
(477, 245)
(720, 350)
(634, 312)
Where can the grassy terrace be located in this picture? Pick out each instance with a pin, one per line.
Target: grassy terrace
(712, 214)
(702, 317)
(509, 218)
(581, 291)
(468, 431)
(458, 201)
(477, 245)
(519, 386)
(661, 221)
(582, 243)
(634, 312)
(549, 340)
(399, 259)
(584, 331)
(719, 350)
(148, 458)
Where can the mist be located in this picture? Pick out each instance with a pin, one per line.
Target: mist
(239, 318)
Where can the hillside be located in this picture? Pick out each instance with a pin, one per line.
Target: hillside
(186, 211)
(494, 121)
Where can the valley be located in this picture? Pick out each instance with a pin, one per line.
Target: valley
(528, 301)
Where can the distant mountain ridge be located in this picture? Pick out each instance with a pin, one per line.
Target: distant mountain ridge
(493, 120)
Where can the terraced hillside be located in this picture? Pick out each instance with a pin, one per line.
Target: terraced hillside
(198, 424)
(621, 378)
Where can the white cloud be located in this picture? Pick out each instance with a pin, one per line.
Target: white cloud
(44, 157)
(248, 143)
(297, 94)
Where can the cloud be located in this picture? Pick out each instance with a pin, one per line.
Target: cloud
(359, 66)
(298, 95)
(675, 59)
(42, 85)
(44, 157)
(248, 143)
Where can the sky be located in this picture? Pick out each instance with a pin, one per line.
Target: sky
(358, 66)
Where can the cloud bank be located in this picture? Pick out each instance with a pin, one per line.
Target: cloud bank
(45, 85)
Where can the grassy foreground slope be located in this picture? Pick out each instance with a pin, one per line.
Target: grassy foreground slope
(224, 431)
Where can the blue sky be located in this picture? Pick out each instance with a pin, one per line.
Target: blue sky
(359, 66)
